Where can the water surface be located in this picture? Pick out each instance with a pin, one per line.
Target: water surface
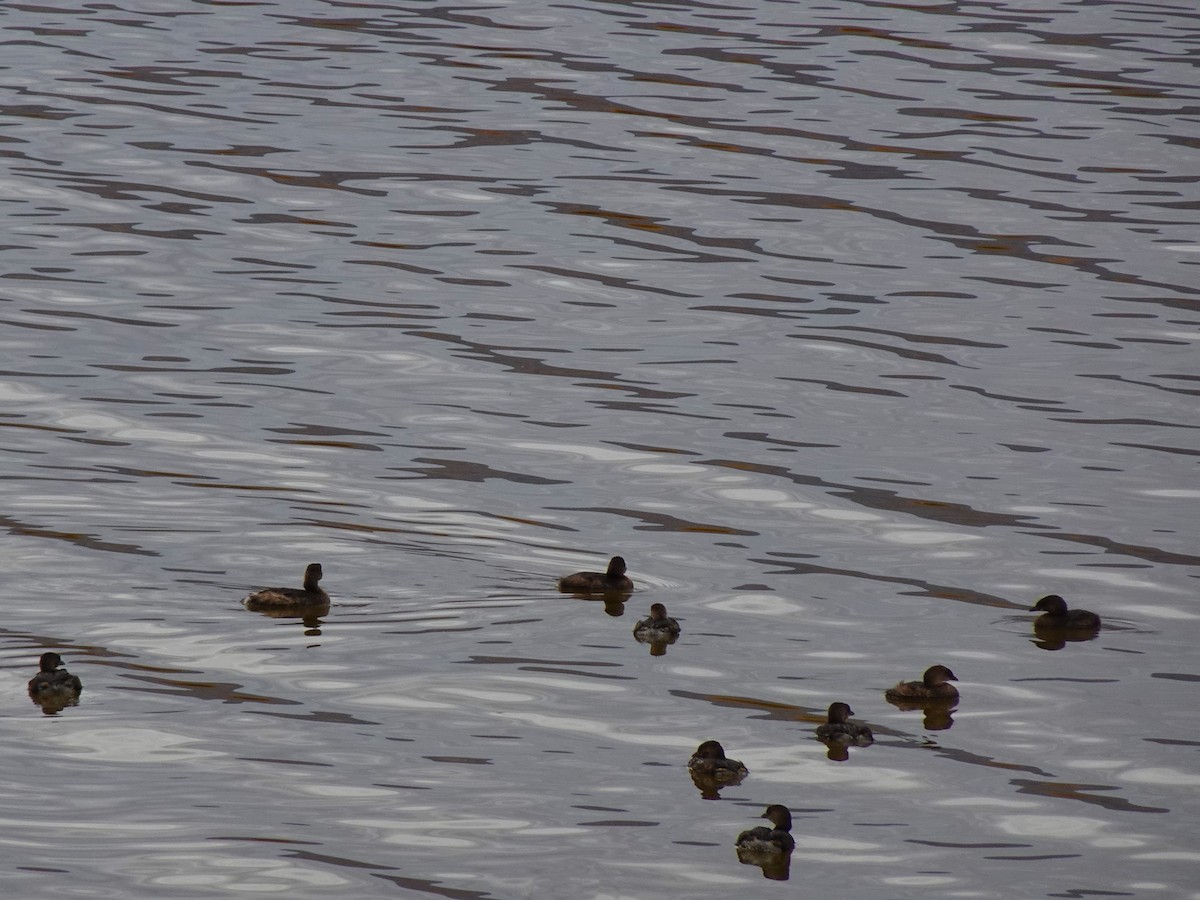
(854, 327)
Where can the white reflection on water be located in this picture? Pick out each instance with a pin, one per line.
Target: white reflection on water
(922, 881)
(26, 391)
(981, 802)
(75, 823)
(397, 701)
(757, 605)
(695, 672)
(1108, 577)
(342, 791)
(1181, 855)
(129, 745)
(1072, 828)
(755, 495)
(1162, 612)
(667, 469)
(660, 868)
(847, 515)
(912, 536)
(442, 833)
(1161, 775)
(597, 454)
(806, 763)
(593, 726)
(232, 873)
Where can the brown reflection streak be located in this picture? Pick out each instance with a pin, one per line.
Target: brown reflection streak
(369, 529)
(657, 521)
(116, 320)
(340, 445)
(207, 690)
(178, 234)
(846, 388)
(637, 222)
(286, 762)
(874, 498)
(324, 431)
(958, 846)
(518, 660)
(654, 448)
(249, 487)
(625, 284)
(317, 715)
(556, 671)
(460, 470)
(926, 589)
(239, 370)
(762, 437)
(533, 522)
(332, 860)
(913, 338)
(31, 427)
(251, 150)
(432, 887)
(80, 540)
(959, 235)
(975, 759)
(919, 355)
(147, 473)
(524, 365)
(1069, 791)
(328, 181)
(1150, 554)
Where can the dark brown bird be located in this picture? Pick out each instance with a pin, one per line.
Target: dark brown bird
(658, 627)
(770, 840)
(52, 682)
(1054, 614)
(934, 685)
(610, 581)
(710, 760)
(307, 597)
(838, 726)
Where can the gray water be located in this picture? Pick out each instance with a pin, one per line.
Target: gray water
(854, 327)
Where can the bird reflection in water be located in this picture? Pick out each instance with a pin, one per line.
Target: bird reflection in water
(938, 713)
(775, 866)
(311, 619)
(658, 630)
(52, 688)
(769, 848)
(1051, 638)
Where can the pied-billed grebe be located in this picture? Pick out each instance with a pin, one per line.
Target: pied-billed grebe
(659, 627)
(1054, 614)
(51, 681)
(770, 840)
(838, 726)
(934, 685)
(613, 580)
(710, 760)
(308, 596)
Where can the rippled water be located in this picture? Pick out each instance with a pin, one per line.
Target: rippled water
(854, 327)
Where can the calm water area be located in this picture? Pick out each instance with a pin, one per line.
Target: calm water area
(855, 327)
